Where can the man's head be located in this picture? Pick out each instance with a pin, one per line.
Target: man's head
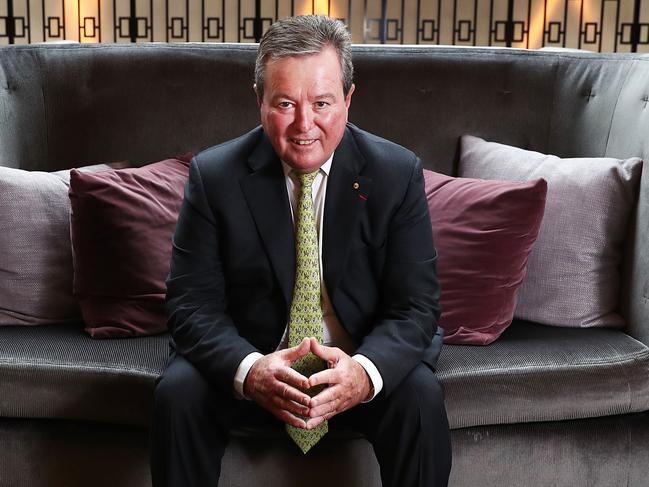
(304, 88)
(303, 35)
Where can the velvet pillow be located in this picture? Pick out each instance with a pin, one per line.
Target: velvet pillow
(35, 255)
(573, 276)
(122, 224)
(484, 232)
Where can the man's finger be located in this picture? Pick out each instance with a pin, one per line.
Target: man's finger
(329, 408)
(327, 402)
(313, 422)
(327, 395)
(327, 376)
(290, 406)
(294, 353)
(286, 391)
(289, 418)
(292, 377)
(325, 353)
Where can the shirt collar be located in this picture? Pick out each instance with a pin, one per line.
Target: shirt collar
(325, 168)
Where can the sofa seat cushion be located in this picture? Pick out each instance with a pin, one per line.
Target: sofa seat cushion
(538, 373)
(58, 371)
(531, 373)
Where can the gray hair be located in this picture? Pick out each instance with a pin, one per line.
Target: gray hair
(304, 35)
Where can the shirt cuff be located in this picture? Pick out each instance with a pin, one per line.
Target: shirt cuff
(372, 372)
(242, 372)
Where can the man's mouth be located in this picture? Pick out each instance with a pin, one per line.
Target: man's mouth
(303, 141)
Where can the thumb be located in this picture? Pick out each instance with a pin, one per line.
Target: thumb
(294, 353)
(325, 353)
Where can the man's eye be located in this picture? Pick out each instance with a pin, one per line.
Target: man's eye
(321, 104)
(285, 104)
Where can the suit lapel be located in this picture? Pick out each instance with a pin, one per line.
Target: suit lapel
(347, 193)
(265, 193)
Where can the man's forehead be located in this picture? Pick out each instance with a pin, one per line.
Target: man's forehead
(273, 58)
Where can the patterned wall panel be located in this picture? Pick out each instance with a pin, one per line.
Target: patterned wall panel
(428, 21)
(597, 25)
(177, 20)
(213, 21)
(15, 22)
(53, 19)
(133, 20)
(383, 21)
(89, 21)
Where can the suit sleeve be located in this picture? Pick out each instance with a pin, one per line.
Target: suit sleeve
(196, 299)
(406, 320)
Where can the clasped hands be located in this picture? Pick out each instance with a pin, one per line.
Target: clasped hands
(275, 386)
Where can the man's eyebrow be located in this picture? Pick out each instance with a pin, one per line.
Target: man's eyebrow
(323, 96)
(326, 96)
(278, 96)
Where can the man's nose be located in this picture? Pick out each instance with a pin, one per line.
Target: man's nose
(304, 118)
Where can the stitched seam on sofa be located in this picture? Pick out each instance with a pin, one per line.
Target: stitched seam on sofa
(628, 455)
(543, 417)
(540, 368)
(501, 52)
(625, 369)
(555, 76)
(227, 47)
(452, 51)
(638, 355)
(85, 367)
(629, 65)
(44, 76)
(510, 52)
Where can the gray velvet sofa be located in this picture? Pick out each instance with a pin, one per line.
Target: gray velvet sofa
(541, 406)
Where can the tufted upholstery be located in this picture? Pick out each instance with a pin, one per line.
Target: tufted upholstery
(63, 104)
(544, 405)
(532, 373)
(68, 105)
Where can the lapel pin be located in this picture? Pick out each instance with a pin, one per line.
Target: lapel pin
(356, 186)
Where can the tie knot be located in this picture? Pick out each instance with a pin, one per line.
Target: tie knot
(307, 178)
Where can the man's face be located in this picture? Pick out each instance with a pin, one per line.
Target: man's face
(304, 110)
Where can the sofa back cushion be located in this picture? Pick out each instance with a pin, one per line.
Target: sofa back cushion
(35, 255)
(573, 274)
(122, 223)
(484, 232)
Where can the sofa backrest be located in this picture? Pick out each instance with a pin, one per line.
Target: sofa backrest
(70, 105)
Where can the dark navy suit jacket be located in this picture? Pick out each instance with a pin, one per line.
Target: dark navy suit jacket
(233, 262)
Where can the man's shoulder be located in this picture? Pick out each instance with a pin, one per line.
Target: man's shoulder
(230, 154)
(380, 151)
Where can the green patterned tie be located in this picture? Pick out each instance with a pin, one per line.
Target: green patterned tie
(305, 318)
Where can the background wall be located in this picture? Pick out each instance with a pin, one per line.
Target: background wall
(597, 25)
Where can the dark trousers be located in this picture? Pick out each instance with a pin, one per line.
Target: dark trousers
(191, 423)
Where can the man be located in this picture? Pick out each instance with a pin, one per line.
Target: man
(305, 207)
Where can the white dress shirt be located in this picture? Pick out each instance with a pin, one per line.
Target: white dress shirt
(334, 334)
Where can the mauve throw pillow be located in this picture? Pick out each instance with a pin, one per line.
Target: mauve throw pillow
(484, 232)
(35, 254)
(573, 276)
(122, 224)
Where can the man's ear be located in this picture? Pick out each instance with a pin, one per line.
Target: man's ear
(348, 98)
(254, 87)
